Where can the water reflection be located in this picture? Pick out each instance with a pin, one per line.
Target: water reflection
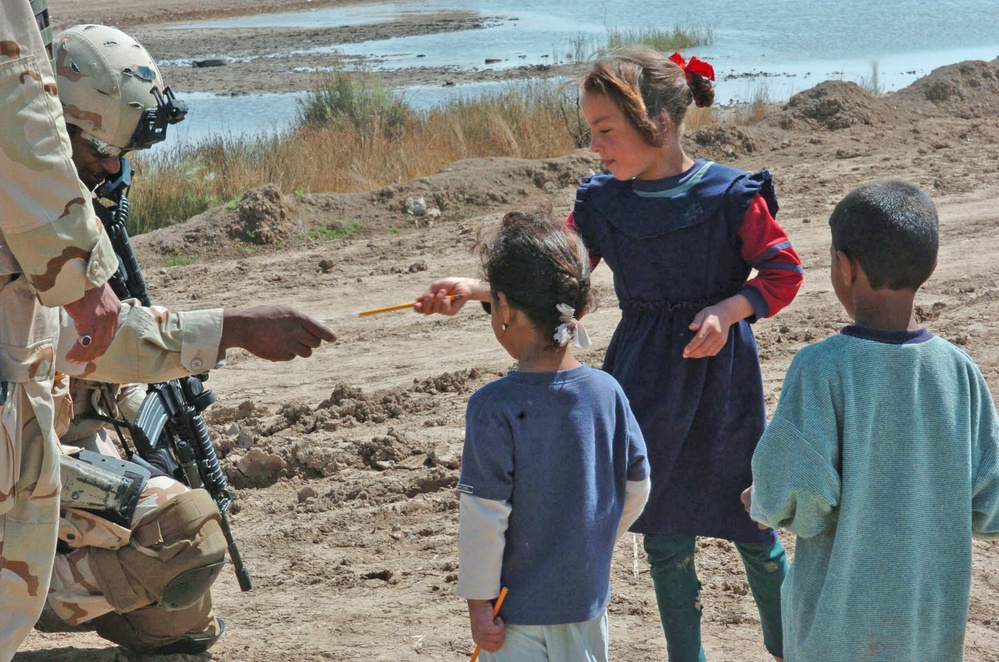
(253, 114)
(772, 53)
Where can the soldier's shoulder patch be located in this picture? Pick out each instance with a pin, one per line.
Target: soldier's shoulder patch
(464, 488)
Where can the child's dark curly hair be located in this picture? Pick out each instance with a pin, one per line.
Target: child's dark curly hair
(538, 263)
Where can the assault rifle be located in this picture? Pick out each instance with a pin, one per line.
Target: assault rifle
(169, 431)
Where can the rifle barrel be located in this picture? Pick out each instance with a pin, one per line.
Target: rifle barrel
(242, 575)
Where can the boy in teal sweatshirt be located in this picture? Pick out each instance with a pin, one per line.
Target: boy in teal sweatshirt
(881, 456)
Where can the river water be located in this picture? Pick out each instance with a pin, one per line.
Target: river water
(784, 46)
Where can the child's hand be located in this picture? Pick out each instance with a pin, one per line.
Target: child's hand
(486, 631)
(436, 298)
(712, 326)
(712, 333)
(747, 498)
(747, 503)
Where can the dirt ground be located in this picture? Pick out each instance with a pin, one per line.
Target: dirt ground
(345, 463)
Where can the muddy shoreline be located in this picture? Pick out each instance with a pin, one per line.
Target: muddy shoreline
(282, 59)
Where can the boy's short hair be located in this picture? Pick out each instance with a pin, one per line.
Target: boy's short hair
(889, 227)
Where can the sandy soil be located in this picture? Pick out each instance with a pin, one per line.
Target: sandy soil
(345, 463)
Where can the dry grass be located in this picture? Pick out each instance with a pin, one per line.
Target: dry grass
(353, 136)
(698, 118)
(353, 148)
(761, 103)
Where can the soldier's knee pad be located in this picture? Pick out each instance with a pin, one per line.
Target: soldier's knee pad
(172, 558)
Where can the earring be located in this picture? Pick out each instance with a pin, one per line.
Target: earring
(504, 326)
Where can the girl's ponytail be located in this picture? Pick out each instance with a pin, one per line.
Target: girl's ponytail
(702, 90)
(699, 76)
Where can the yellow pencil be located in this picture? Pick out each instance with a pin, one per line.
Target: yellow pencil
(401, 306)
(496, 608)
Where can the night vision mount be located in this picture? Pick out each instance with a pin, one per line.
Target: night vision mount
(153, 124)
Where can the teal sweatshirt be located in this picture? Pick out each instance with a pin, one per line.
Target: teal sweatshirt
(881, 458)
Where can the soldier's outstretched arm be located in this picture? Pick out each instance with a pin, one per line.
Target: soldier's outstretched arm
(155, 345)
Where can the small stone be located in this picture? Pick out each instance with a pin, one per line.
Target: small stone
(416, 206)
(258, 469)
(306, 493)
(444, 457)
(244, 439)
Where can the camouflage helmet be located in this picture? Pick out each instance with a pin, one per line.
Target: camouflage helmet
(111, 88)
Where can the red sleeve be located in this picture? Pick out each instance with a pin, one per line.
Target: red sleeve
(571, 224)
(767, 249)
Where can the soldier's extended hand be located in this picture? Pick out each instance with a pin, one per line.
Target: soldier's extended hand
(95, 318)
(275, 333)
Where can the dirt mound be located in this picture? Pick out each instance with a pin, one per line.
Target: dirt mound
(722, 142)
(257, 449)
(266, 219)
(968, 90)
(832, 105)
(490, 183)
(263, 217)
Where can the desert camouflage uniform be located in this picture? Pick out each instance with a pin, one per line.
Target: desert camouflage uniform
(107, 82)
(97, 583)
(151, 345)
(52, 250)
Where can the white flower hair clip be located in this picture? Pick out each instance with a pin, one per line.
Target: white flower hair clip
(570, 328)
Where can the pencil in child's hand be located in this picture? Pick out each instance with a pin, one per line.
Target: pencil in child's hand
(401, 306)
(496, 608)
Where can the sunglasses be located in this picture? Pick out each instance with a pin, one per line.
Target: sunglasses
(103, 150)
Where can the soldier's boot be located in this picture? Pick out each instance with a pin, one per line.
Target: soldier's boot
(50, 622)
(159, 631)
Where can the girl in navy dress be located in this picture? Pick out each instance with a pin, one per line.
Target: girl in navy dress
(681, 237)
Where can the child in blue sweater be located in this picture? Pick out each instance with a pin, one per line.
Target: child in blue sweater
(881, 456)
(553, 469)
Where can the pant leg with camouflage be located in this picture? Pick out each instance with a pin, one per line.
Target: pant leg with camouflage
(29, 509)
(79, 597)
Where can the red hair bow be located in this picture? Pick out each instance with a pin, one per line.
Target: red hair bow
(695, 66)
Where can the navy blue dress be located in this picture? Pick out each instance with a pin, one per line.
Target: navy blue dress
(674, 248)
